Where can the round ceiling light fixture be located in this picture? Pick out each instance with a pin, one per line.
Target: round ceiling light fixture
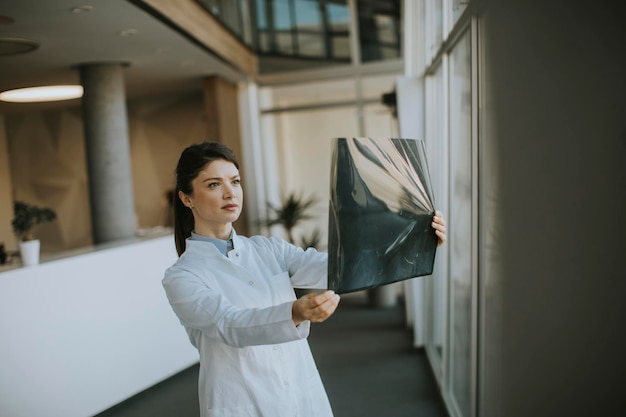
(45, 93)
(16, 46)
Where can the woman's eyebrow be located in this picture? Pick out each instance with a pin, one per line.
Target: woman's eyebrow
(219, 178)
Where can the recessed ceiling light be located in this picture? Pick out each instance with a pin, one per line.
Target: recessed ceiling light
(15, 46)
(128, 32)
(81, 9)
(46, 93)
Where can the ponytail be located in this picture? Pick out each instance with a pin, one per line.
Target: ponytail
(183, 223)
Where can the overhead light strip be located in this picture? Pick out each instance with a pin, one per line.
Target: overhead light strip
(41, 94)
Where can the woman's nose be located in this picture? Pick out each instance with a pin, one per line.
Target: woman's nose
(228, 191)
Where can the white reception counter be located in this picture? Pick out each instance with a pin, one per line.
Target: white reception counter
(83, 333)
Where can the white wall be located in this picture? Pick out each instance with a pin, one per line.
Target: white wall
(83, 333)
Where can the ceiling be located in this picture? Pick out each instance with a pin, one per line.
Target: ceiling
(160, 60)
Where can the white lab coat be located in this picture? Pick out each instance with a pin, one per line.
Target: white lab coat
(237, 311)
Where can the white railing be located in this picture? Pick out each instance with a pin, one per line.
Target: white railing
(82, 333)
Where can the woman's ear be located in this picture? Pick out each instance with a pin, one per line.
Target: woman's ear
(185, 199)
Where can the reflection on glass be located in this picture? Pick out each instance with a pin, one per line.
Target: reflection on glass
(458, 7)
(302, 33)
(434, 36)
(438, 22)
(380, 213)
(460, 220)
(434, 121)
(310, 24)
(379, 29)
(231, 14)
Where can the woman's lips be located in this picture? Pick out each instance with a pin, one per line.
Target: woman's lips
(230, 207)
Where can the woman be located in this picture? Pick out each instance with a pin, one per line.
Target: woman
(235, 297)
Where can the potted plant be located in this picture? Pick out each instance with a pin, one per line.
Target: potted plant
(292, 211)
(26, 217)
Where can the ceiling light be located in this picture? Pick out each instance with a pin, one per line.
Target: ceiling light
(128, 32)
(46, 93)
(81, 9)
(15, 46)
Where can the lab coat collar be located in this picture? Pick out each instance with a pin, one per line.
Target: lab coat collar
(206, 247)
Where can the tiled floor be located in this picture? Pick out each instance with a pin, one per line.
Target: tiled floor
(364, 356)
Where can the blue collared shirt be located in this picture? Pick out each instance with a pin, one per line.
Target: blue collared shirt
(224, 246)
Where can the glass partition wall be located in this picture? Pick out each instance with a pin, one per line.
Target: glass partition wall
(460, 222)
(450, 66)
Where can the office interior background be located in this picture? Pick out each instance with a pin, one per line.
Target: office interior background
(520, 103)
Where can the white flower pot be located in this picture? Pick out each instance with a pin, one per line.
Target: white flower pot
(29, 252)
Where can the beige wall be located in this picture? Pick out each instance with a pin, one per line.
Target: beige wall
(48, 165)
(46, 153)
(6, 201)
(159, 130)
(221, 109)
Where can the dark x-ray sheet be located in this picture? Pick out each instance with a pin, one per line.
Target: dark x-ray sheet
(381, 208)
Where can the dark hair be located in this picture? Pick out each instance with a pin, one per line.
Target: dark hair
(193, 160)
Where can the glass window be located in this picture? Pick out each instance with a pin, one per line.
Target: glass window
(261, 15)
(458, 7)
(230, 13)
(310, 28)
(307, 15)
(460, 220)
(434, 24)
(339, 30)
(379, 29)
(338, 16)
(281, 26)
(437, 151)
(294, 34)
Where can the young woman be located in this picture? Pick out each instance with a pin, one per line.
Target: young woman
(235, 297)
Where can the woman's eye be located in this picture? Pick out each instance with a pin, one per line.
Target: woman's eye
(214, 184)
(237, 182)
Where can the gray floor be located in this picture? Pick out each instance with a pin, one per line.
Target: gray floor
(364, 356)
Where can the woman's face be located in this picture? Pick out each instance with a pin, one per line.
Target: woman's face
(216, 199)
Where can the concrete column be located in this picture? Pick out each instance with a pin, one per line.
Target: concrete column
(108, 152)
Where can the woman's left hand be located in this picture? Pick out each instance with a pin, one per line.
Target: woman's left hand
(439, 224)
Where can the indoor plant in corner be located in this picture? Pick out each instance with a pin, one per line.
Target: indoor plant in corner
(292, 211)
(25, 218)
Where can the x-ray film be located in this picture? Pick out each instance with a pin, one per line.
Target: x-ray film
(381, 208)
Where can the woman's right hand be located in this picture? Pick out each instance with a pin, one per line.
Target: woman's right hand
(314, 307)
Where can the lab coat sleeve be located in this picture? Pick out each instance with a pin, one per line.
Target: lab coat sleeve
(308, 268)
(200, 307)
